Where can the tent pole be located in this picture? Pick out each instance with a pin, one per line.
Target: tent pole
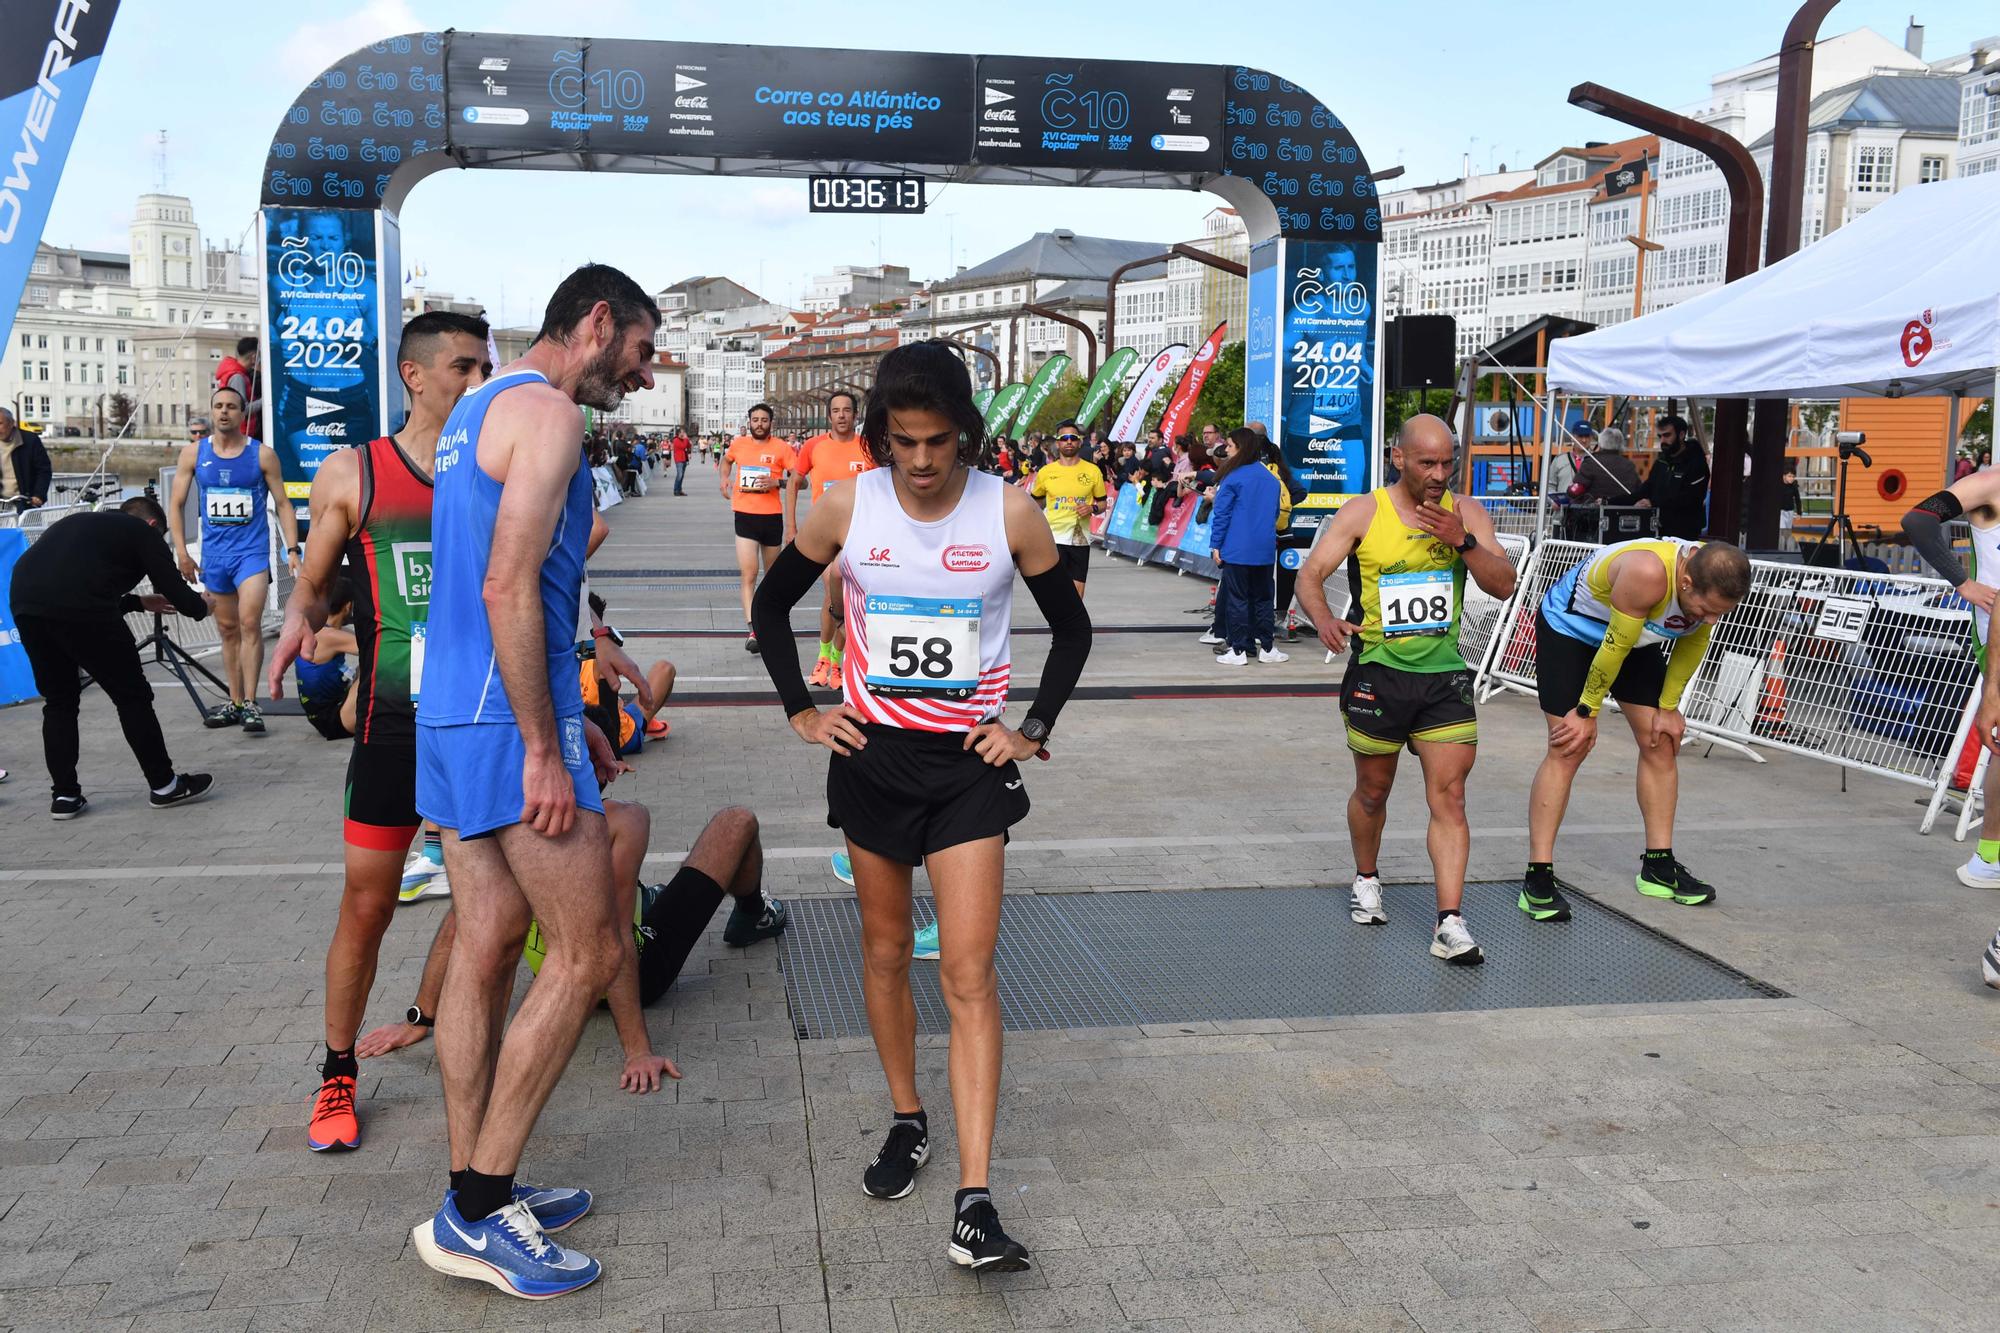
(1541, 477)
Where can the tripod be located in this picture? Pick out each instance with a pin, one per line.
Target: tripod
(178, 661)
(1840, 528)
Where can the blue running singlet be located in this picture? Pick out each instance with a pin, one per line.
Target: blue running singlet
(461, 673)
(232, 494)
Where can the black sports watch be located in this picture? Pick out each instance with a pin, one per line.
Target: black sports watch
(1035, 730)
(1584, 710)
(418, 1018)
(1470, 542)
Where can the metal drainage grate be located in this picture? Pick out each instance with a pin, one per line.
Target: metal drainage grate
(1120, 959)
(662, 573)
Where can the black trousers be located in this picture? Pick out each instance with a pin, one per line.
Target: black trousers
(58, 650)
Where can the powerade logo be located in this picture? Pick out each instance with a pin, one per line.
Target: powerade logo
(41, 114)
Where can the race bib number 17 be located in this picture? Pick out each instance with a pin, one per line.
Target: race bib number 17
(923, 646)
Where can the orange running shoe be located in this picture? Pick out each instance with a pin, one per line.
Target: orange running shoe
(658, 728)
(823, 675)
(334, 1126)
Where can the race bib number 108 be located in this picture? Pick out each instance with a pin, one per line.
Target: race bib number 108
(1419, 602)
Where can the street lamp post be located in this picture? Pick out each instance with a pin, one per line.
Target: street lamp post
(1089, 335)
(1746, 209)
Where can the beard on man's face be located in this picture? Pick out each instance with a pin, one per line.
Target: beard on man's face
(601, 386)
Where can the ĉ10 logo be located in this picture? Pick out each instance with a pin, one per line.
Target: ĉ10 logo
(1101, 111)
(1310, 296)
(571, 86)
(298, 267)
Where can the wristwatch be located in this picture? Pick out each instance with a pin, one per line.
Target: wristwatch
(1584, 710)
(418, 1018)
(1470, 542)
(1035, 730)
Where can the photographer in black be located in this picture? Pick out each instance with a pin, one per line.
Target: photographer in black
(1678, 484)
(71, 591)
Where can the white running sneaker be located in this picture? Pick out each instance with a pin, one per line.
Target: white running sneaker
(1232, 658)
(1989, 964)
(1979, 874)
(423, 878)
(1211, 638)
(1453, 943)
(1272, 655)
(1364, 902)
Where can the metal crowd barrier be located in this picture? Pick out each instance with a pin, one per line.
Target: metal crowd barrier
(1871, 672)
(1483, 615)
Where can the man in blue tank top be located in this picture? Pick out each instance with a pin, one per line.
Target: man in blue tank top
(508, 766)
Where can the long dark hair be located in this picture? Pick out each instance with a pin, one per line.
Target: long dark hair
(1245, 446)
(927, 376)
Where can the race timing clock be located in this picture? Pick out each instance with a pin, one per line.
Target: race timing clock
(865, 194)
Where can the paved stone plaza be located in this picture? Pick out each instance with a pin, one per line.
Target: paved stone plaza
(1827, 1161)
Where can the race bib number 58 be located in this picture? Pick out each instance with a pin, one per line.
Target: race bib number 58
(923, 646)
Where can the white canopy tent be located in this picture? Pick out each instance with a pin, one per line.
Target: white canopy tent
(1904, 300)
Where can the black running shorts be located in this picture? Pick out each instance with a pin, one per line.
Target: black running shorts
(764, 529)
(325, 719)
(1562, 664)
(672, 927)
(1387, 708)
(907, 794)
(1075, 562)
(381, 806)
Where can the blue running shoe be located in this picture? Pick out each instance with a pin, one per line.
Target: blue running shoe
(843, 868)
(553, 1209)
(507, 1250)
(927, 944)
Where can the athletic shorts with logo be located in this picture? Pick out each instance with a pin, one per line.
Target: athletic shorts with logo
(381, 803)
(1562, 665)
(764, 529)
(1387, 708)
(1075, 562)
(469, 773)
(907, 794)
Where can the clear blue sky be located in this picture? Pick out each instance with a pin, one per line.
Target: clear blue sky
(1421, 82)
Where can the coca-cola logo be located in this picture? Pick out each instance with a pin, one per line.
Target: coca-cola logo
(967, 559)
(1917, 340)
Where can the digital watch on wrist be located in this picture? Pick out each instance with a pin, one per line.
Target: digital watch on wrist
(416, 1017)
(1035, 730)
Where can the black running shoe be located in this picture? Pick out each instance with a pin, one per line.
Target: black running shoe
(1673, 880)
(893, 1173)
(252, 718)
(978, 1243)
(67, 807)
(1542, 900)
(750, 642)
(223, 715)
(187, 787)
(747, 924)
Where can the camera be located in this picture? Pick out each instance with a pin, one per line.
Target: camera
(1849, 443)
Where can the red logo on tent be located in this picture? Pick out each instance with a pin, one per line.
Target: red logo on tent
(1917, 340)
(967, 559)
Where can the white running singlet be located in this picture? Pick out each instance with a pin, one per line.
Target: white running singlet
(1985, 565)
(929, 607)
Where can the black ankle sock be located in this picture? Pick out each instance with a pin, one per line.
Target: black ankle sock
(1445, 912)
(965, 1198)
(457, 1179)
(1541, 869)
(1359, 873)
(482, 1195)
(1657, 858)
(340, 1064)
(917, 1118)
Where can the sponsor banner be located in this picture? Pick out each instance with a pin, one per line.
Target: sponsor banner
(1142, 116)
(1326, 364)
(17, 677)
(1173, 528)
(1124, 513)
(1001, 410)
(1132, 417)
(983, 400)
(1040, 387)
(49, 50)
(1188, 392)
(1196, 552)
(1260, 345)
(1104, 383)
(323, 367)
(1287, 146)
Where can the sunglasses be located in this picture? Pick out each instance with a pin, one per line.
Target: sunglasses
(1068, 439)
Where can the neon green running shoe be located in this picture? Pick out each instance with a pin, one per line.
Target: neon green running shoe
(1673, 880)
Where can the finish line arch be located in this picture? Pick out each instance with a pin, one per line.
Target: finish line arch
(360, 136)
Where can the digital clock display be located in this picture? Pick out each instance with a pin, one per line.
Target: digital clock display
(865, 194)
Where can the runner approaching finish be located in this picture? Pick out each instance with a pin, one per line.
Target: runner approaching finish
(234, 476)
(1071, 491)
(836, 456)
(753, 474)
(508, 767)
(1603, 630)
(371, 509)
(1975, 498)
(1408, 548)
(923, 771)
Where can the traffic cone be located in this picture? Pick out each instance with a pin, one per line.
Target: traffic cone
(1771, 699)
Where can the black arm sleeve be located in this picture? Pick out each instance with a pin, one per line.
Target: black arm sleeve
(158, 563)
(1069, 640)
(789, 578)
(1924, 526)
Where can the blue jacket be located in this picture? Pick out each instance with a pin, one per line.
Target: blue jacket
(1243, 529)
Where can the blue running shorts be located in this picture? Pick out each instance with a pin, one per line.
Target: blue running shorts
(469, 775)
(222, 572)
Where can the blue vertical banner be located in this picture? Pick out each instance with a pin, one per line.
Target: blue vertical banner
(1327, 385)
(1260, 345)
(324, 340)
(17, 677)
(49, 53)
